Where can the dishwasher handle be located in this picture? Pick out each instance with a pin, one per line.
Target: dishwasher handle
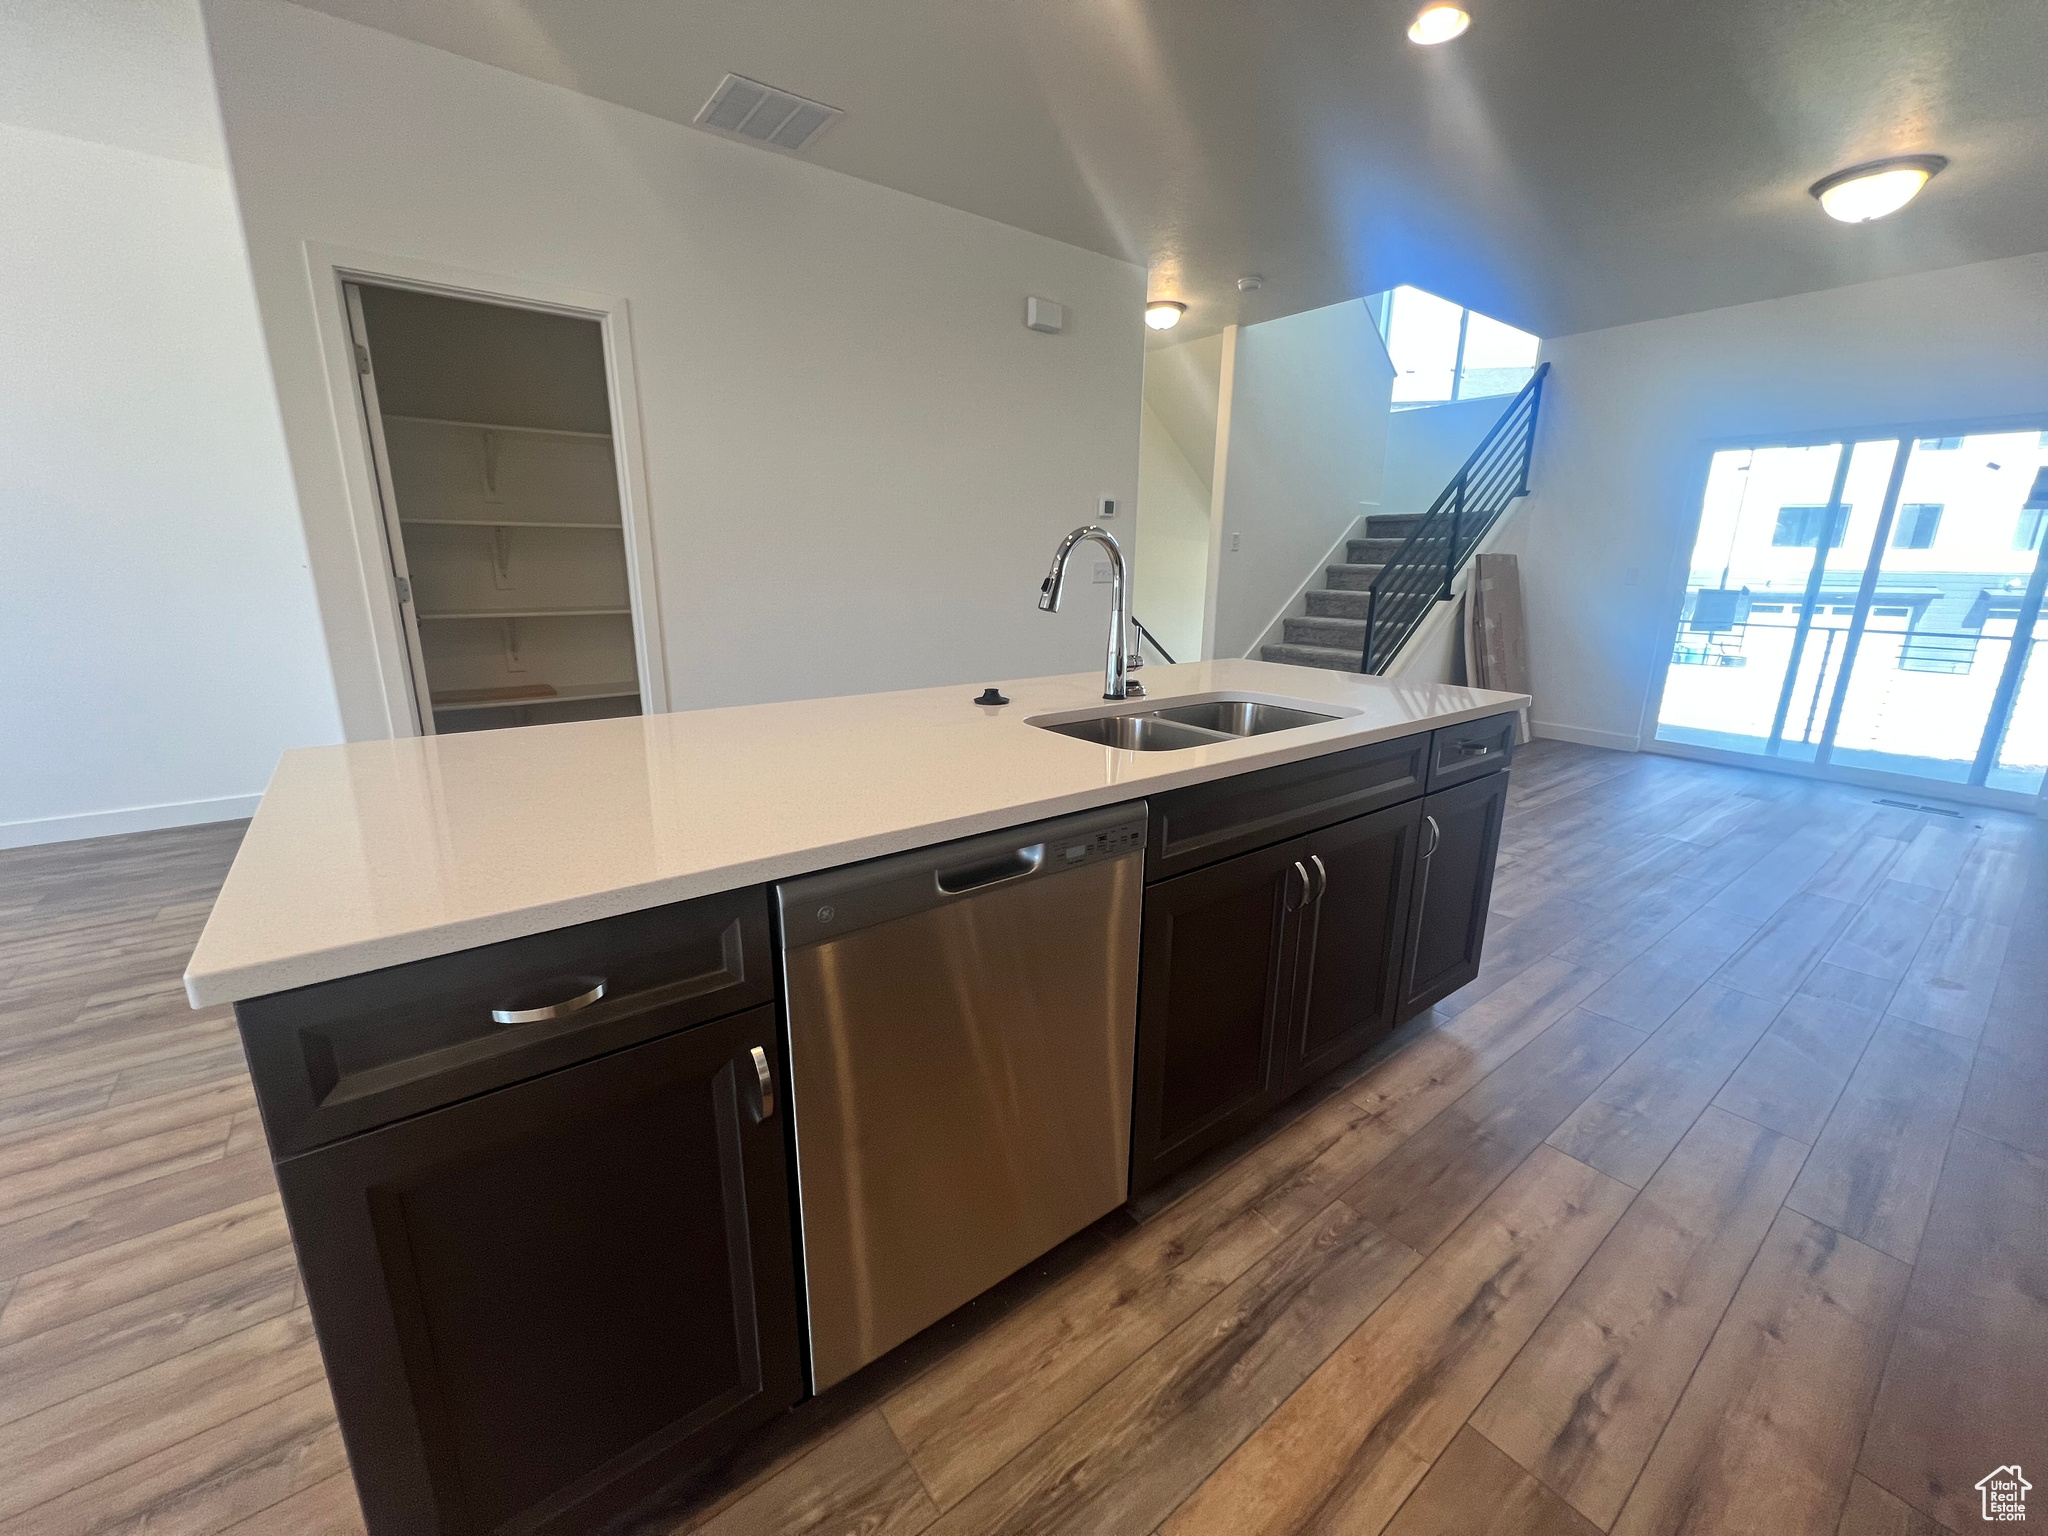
(979, 876)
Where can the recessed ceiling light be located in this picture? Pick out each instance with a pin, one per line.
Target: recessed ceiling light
(1864, 192)
(1164, 314)
(1438, 24)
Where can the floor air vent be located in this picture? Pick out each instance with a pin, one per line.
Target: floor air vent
(1914, 805)
(767, 116)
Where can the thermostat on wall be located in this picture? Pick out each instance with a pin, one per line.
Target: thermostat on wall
(1044, 315)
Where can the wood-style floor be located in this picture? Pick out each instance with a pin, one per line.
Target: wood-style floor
(1719, 1203)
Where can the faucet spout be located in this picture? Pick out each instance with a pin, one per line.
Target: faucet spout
(1116, 680)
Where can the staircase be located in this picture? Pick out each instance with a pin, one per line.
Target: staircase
(1333, 634)
(1405, 565)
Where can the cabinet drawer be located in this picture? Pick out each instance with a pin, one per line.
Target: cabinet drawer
(1198, 826)
(1461, 752)
(345, 1056)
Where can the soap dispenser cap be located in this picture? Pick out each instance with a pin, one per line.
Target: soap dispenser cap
(990, 696)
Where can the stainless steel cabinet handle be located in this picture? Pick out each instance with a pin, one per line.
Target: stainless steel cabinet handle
(1322, 877)
(521, 1010)
(1436, 836)
(1291, 898)
(1475, 748)
(765, 1081)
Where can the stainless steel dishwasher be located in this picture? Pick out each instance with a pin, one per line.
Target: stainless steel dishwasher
(960, 1025)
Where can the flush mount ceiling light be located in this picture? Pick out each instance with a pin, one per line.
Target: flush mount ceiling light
(1865, 192)
(1164, 314)
(1438, 24)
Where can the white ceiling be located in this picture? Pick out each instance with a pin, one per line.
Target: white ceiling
(1567, 165)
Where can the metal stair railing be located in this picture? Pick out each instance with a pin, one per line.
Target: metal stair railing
(1419, 574)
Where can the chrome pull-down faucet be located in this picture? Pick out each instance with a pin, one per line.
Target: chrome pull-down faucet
(1117, 683)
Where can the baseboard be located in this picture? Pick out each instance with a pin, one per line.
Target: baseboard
(136, 818)
(1584, 737)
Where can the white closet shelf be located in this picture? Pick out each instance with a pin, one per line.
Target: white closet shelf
(502, 522)
(492, 426)
(568, 693)
(521, 613)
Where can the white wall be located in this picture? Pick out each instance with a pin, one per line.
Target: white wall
(1306, 431)
(859, 461)
(1173, 532)
(1631, 416)
(1427, 444)
(159, 645)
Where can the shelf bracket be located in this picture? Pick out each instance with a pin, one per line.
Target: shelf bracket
(501, 558)
(491, 466)
(514, 662)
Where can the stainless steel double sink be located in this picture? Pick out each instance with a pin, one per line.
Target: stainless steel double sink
(1177, 726)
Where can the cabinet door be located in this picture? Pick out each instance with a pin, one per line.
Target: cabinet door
(1353, 938)
(543, 1302)
(1214, 985)
(1460, 837)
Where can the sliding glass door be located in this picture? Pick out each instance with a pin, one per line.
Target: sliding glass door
(1872, 605)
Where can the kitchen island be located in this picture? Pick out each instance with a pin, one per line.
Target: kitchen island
(518, 1007)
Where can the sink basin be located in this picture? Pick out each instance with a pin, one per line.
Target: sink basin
(1241, 717)
(1138, 733)
(1175, 726)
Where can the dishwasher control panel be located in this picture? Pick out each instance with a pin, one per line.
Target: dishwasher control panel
(1109, 843)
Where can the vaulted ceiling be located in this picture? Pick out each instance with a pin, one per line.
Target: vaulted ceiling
(1566, 165)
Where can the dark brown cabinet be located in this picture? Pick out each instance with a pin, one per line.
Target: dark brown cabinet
(1295, 916)
(1353, 936)
(540, 1303)
(1214, 987)
(1460, 838)
(1261, 973)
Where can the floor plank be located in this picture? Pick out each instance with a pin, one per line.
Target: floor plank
(1967, 1381)
(1765, 1436)
(1348, 1448)
(1423, 1191)
(1474, 1490)
(1633, 1120)
(1792, 1077)
(1873, 1170)
(1583, 1403)
(858, 1480)
(1141, 1444)
(1791, 943)
(1870, 1511)
(1953, 974)
(1887, 929)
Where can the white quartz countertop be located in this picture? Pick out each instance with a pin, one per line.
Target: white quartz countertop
(383, 852)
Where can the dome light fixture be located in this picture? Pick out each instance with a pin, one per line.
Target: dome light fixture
(1164, 314)
(1865, 192)
(1438, 24)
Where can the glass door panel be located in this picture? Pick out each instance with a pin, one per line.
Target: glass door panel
(1785, 536)
(2021, 761)
(1952, 586)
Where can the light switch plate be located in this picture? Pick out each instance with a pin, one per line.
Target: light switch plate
(1044, 315)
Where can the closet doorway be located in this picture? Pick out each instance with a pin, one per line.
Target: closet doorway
(498, 480)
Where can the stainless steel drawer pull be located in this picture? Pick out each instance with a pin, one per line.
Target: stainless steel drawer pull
(524, 1010)
(1475, 748)
(1322, 877)
(1436, 836)
(764, 1080)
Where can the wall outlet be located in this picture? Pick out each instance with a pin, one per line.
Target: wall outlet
(1104, 574)
(1236, 542)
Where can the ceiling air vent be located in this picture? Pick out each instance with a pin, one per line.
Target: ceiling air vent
(764, 114)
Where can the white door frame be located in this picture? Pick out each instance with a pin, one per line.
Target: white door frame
(328, 268)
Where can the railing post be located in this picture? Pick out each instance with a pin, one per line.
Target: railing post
(1457, 516)
(1372, 611)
